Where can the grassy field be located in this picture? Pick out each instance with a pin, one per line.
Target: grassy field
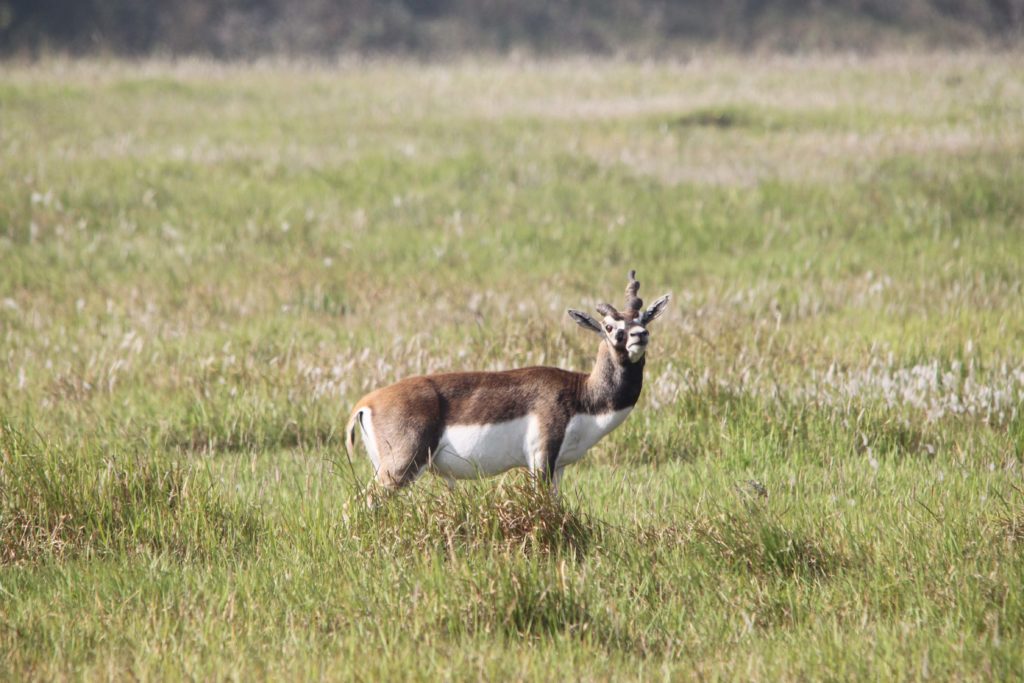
(203, 266)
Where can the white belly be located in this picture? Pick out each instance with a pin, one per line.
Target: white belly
(473, 451)
(586, 430)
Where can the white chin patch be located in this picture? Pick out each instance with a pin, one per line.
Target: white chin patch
(636, 352)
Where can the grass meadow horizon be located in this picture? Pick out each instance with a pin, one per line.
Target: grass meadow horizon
(203, 266)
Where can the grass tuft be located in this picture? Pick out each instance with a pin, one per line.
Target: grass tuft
(57, 503)
(522, 601)
(758, 542)
(752, 540)
(516, 516)
(1011, 520)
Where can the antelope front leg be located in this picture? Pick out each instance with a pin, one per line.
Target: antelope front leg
(448, 480)
(556, 479)
(543, 473)
(375, 494)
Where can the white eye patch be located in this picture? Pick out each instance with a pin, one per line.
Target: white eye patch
(610, 322)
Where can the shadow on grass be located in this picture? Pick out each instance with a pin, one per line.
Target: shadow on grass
(720, 117)
(746, 117)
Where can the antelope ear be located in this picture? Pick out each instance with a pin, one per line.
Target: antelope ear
(655, 310)
(586, 321)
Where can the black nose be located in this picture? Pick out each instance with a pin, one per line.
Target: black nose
(618, 336)
(642, 334)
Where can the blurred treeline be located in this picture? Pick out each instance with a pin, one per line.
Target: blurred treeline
(248, 28)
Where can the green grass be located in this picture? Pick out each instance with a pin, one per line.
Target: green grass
(203, 266)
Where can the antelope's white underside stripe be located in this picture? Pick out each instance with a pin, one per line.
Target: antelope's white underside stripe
(473, 451)
(586, 430)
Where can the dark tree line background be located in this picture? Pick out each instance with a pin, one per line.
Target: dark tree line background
(432, 28)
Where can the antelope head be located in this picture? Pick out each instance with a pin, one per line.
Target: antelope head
(625, 332)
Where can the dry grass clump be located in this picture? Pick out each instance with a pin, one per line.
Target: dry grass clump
(764, 546)
(518, 515)
(509, 550)
(1013, 527)
(522, 601)
(1011, 521)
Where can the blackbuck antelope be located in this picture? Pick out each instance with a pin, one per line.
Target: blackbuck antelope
(465, 425)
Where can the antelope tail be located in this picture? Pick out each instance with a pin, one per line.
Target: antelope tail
(350, 435)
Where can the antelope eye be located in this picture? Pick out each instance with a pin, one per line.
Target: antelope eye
(608, 328)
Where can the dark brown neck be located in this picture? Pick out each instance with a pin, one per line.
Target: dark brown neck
(614, 383)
